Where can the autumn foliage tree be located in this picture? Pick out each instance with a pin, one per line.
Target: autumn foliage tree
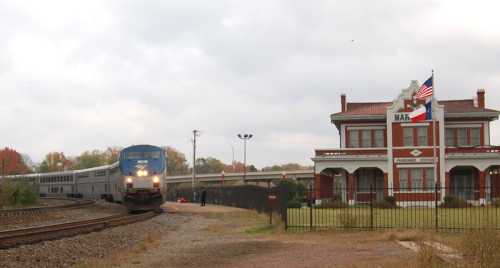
(12, 163)
(55, 161)
(286, 167)
(176, 162)
(209, 165)
(112, 154)
(238, 167)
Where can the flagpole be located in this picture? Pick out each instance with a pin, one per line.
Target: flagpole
(434, 148)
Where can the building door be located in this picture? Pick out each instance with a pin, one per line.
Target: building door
(463, 183)
(370, 179)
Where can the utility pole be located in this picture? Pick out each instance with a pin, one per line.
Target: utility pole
(196, 133)
(245, 137)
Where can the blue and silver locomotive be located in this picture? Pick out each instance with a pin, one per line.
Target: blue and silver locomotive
(143, 170)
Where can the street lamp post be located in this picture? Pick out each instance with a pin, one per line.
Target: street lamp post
(245, 138)
(233, 163)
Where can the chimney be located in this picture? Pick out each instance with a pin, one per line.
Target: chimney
(480, 98)
(343, 102)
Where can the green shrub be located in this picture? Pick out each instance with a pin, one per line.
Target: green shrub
(333, 204)
(454, 202)
(294, 203)
(18, 194)
(388, 202)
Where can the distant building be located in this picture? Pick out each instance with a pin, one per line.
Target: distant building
(382, 149)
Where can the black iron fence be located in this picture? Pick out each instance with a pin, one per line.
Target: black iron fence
(253, 197)
(434, 207)
(452, 208)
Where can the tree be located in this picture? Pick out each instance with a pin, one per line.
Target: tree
(28, 162)
(176, 162)
(90, 159)
(286, 167)
(252, 168)
(209, 165)
(112, 154)
(11, 162)
(55, 161)
(238, 167)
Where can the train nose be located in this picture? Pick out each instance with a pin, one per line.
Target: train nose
(144, 183)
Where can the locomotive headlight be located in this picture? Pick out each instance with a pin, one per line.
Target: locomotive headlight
(144, 173)
(129, 180)
(156, 179)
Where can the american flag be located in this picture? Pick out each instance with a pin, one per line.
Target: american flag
(426, 90)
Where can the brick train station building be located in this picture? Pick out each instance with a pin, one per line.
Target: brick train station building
(381, 149)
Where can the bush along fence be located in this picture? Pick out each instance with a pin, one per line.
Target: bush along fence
(438, 208)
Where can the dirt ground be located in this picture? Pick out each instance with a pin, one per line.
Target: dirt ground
(215, 236)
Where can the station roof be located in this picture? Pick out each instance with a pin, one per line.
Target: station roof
(378, 110)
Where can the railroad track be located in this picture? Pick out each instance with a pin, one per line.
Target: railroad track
(36, 210)
(13, 238)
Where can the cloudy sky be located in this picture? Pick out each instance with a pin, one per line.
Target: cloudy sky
(79, 75)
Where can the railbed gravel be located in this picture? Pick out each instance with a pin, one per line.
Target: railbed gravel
(100, 209)
(67, 252)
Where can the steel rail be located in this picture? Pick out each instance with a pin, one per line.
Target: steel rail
(34, 210)
(16, 237)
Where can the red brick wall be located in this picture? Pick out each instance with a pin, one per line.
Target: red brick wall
(323, 185)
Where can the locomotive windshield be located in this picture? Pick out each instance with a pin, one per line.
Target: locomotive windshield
(142, 155)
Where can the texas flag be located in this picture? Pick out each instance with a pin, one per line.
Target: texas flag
(422, 113)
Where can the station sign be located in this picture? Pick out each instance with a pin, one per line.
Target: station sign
(414, 160)
(402, 117)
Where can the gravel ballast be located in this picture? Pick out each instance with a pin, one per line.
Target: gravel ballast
(67, 252)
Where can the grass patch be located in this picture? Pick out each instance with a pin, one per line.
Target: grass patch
(418, 218)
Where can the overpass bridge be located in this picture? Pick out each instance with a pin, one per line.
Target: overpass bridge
(237, 178)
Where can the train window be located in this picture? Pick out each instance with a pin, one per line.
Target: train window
(152, 155)
(92, 188)
(83, 175)
(134, 155)
(141, 155)
(100, 173)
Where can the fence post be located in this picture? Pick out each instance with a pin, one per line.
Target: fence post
(310, 210)
(436, 222)
(270, 202)
(371, 206)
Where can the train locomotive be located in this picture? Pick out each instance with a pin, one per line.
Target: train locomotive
(143, 169)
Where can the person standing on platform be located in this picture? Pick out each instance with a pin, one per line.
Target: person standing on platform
(203, 197)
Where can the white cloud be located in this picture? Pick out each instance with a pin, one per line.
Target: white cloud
(89, 74)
